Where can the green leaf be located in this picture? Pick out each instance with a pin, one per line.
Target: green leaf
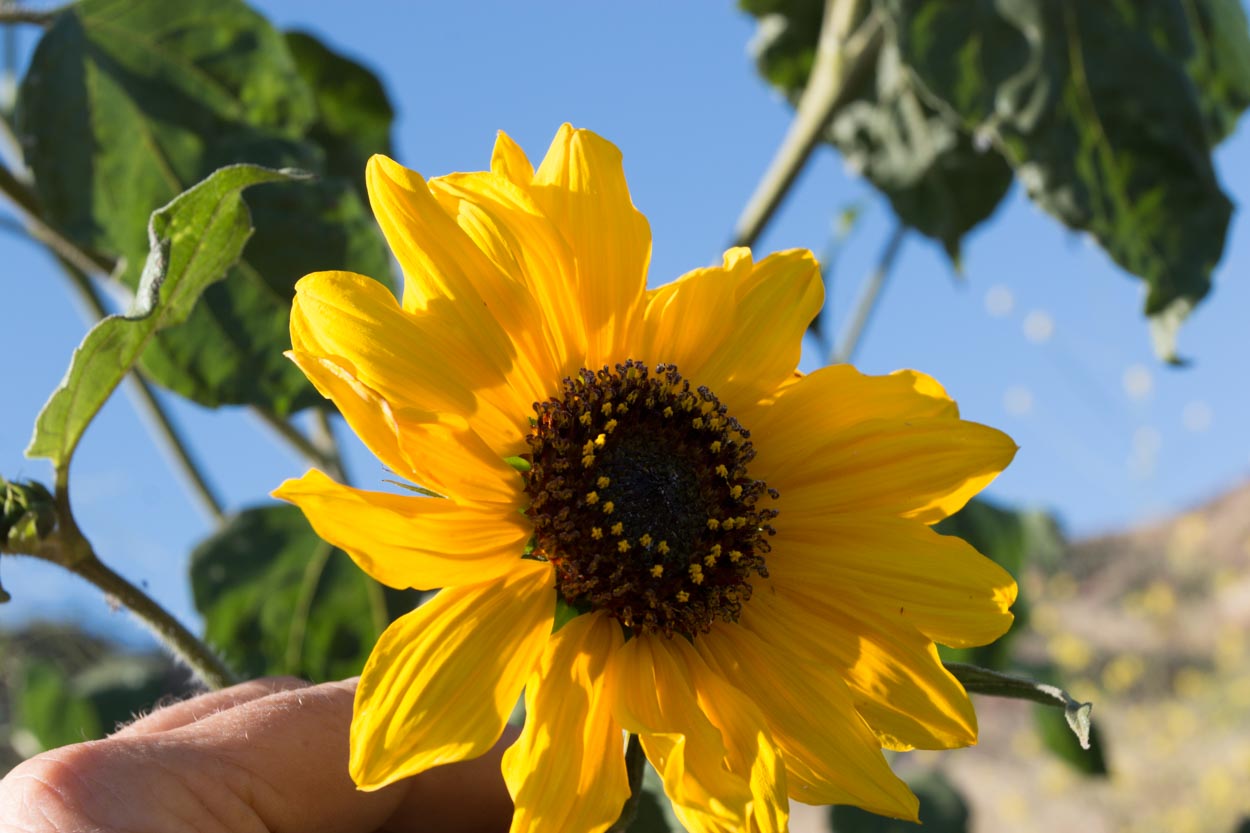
(1058, 736)
(62, 685)
(938, 180)
(276, 599)
(655, 812)
(194, 240)
(1094, 106)
(27, 517)
(231, 349)
(942, 810)
(997, 684)
(1012, 539)
(1219, 63)
(354, 114)
(125, 99)
(50, 709)
(128, 102)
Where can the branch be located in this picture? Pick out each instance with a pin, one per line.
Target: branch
(27, 204)
(206, 665)
(842, 61)
(323, 458)
(869, 294)
(11, 13)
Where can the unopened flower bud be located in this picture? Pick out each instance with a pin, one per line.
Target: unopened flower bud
(27, 515)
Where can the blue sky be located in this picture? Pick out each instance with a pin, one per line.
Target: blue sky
(1041, 336)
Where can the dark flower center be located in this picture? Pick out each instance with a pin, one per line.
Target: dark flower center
(640, 498)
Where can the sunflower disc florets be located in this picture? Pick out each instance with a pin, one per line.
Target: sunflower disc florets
(641, 499)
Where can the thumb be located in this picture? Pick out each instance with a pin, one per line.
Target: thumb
(277, 763)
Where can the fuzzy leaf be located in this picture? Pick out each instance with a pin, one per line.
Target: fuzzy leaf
(193, 240)
(127, 103)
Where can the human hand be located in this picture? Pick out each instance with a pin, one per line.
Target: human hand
(267, 756)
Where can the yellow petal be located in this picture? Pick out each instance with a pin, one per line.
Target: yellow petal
(654, 697)
(684, 323)
(369, 415)
(838, 397)
(443, 268)
(421, 362)
(442, 680)
(938, 584)
(407, 541)
(437, 451)
(773, 306)
(828, 748)
(751, 751)
(897, 683)
(567, 769)
(509, 160)
(448, 457)
(924, 468)
(581, 187)
(447, 274)
(506, 223)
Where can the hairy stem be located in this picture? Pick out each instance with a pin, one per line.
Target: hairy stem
(68, 548)
(842, 60)
(206, 665)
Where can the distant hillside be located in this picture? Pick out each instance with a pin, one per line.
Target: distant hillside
(1153, 626)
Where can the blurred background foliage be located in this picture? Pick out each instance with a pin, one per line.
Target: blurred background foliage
(1107, 114)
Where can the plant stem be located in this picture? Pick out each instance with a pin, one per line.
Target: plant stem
(12, 13)
(303, 606)
(198, 657)
(144, 398)
(869, 294)
(305, 447)
(68, 548)
(635, 768)
(323, 439)
(842, 61)
(25, 201)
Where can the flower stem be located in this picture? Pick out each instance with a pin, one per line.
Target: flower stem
(69, 548)
(842, 59)
(869, 294)
(635, 768)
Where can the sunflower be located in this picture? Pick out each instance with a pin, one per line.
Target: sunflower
(640, 515)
